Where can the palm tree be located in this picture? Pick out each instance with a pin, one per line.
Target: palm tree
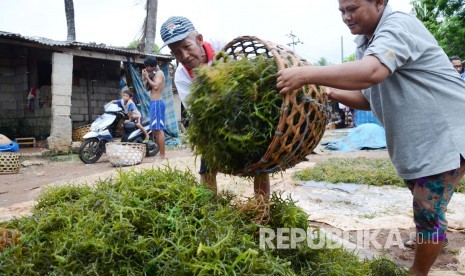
(147, 40)
(151, 24)
(69, 10)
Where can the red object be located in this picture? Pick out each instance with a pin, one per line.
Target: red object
(31, 103)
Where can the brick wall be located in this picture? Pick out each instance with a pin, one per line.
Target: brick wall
(95, 83)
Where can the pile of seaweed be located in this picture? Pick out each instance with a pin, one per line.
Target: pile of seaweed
(234, 109)
(162, 222)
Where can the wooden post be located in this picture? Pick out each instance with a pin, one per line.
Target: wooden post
(209, 179)
(261, 184)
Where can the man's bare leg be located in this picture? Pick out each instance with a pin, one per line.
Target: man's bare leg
(261, 184)
(209, 178)
(426, 252)
(160, 136)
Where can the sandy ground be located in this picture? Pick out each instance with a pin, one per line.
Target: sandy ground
(354, 210)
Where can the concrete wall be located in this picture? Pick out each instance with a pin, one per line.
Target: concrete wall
(13, 87)
(62, 76)
(78, 89)
(18, 73)
(95, 83)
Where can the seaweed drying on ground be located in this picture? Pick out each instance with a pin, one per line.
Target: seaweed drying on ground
(160, 222)
(360, 170)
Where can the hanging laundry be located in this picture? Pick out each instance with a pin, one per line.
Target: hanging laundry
(31, 99)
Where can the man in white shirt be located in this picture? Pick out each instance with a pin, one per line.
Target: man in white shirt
(190, 50)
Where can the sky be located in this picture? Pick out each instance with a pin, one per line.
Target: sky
(315, 23)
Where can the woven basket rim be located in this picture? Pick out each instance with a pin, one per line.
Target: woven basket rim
(288, 100)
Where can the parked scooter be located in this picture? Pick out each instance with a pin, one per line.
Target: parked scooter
(103, 130)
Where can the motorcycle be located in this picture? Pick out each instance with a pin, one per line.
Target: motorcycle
(103, 130)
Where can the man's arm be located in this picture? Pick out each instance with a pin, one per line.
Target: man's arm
(353, 75)
(351, 98)
(157, 82)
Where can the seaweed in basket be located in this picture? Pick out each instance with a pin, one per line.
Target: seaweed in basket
(234, 108)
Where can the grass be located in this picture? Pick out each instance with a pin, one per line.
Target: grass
(69, 156)
(162, 222)
(377, 172)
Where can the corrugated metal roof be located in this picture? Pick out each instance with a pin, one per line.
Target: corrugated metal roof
(80, 45)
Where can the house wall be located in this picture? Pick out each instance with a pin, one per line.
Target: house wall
(35, 119)
(95, 82)
(17, 72)
(7, 91)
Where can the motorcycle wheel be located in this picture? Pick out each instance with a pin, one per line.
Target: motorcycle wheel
(90, 151)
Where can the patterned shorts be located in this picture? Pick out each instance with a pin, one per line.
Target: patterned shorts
(431, 195)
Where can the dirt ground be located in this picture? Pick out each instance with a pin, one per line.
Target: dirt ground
(18, 191)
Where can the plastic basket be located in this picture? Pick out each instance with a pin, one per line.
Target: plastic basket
(125, 153)
(304, 112)
(9, 162)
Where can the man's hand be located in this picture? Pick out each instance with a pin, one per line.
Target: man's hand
(145, 74)
(289, 79)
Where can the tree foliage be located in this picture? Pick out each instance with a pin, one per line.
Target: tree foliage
(350, 58)
(322, 62)
(445, 19)
(134, 45)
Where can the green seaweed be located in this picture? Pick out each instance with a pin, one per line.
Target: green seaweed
(234, 110)
(161, 222)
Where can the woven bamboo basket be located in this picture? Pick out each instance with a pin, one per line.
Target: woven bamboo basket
(125, 153)
(78, 132)
(304, 112)
(9, 162)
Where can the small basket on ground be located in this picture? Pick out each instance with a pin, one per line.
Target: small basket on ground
(9, 162)
(304, 112)
(125, 153)
(78, 132)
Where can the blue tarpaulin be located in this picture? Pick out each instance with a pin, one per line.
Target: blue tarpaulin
(363, 117)
(366, 136)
